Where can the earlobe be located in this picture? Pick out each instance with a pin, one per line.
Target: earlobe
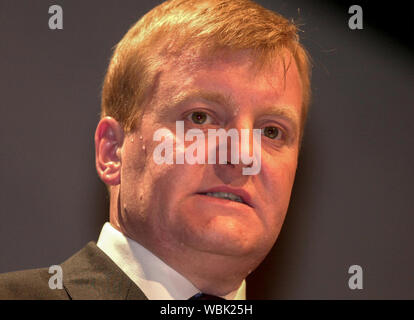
(109, 137)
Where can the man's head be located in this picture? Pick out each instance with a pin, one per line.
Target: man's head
(211, 64)
(200, 28)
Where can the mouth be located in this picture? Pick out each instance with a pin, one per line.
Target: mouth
(239, 196)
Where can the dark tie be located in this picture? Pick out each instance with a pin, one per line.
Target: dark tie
(204, 296)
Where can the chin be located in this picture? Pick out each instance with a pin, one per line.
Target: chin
(224, 235)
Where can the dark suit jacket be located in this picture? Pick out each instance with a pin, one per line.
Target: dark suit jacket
(89, 274)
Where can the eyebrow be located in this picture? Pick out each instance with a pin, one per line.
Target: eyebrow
(194, 94)
(284, 112)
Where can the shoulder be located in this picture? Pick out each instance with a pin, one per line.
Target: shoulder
(28, 285)
(88, 274)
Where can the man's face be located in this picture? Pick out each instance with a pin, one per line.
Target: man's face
(165, 207)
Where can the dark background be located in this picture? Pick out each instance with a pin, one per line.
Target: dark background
(353, 197)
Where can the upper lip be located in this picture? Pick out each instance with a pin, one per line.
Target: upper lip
(237, 191)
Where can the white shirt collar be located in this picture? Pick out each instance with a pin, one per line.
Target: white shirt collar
(154, 277)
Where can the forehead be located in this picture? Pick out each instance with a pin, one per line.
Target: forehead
(232, 78)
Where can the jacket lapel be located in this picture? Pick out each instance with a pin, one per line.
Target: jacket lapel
(91, 275)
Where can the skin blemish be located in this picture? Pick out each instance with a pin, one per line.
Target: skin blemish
(236, 111)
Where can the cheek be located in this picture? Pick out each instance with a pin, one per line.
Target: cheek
(166, 196)
(278, 171)
(166, 185)
(133, 161)
(276, 184)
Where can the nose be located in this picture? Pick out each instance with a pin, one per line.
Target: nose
(240, 150)
(239, 143)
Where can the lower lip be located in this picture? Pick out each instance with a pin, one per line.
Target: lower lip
(222, 201)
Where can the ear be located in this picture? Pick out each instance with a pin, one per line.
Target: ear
(109, 137)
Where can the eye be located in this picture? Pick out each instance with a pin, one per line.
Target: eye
(199, 117)
(272, 132)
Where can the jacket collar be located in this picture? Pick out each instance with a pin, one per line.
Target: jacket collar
(91, 275)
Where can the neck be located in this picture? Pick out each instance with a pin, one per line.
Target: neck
(211, 274)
